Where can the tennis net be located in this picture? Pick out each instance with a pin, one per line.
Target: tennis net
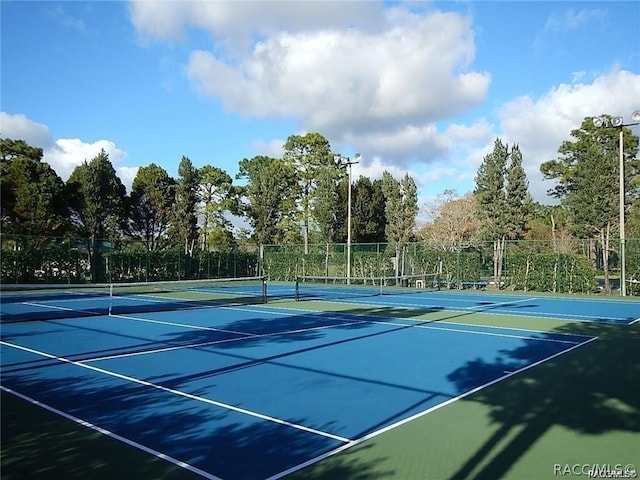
(318, 287)
(49, 302)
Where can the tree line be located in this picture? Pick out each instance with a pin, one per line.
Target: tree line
(301, 198)
(586, 178)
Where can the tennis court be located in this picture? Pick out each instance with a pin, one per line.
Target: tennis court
(229, 387)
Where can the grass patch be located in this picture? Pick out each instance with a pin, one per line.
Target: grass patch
(38, 444)
(582, 407)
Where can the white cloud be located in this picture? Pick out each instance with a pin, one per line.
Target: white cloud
(273, 148)
(374, 167)
(540, 125)
(382, 81)
(379, 89)
(572, 19)
(369, 77)
(459, 135)
(439, 173)
(19, 127)
(560, 23)
(63, 154)
(65, 19)
(68, 153)
(126, 175)
(236, 24)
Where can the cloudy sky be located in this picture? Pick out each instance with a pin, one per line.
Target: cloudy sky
(419, 87)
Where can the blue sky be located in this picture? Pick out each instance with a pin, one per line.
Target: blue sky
(418, 87)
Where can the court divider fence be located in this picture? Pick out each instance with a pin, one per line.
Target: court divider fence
(560, 266)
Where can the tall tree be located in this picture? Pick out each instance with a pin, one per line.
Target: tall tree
(217, 196)
(587, 175)
(502, 200)
(34, 201)
(271, 193)
(98, 204)
(185, 221)
(518, 206)
(328, 206)
(369, 220)
(310, 154)
(151, 202)
(401, 210)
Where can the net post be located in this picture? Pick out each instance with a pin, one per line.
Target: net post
(264, 290)
(110, 298)
(297, 287)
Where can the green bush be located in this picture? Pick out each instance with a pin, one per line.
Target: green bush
(548, 272)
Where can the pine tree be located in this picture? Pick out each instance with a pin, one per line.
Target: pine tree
(502, 200)
(518, 199)
(401, 209)
(98, 205)
(185, 220)
(271, 193)
(151, 201)
(587, 174)
(309, 154)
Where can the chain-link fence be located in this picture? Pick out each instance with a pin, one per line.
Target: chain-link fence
(74, 260)
(560, 266)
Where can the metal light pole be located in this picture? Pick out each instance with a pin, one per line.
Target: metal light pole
(618, 122)
(346, 162)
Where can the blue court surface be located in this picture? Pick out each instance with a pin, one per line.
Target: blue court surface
(257, 392)
(580, 309)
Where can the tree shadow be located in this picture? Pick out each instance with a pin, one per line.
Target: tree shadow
(205, 437)
(196, 434)
(39, 445)
(590, 390)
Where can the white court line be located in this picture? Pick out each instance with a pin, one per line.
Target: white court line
(40, 305)
(315, 314)
(432, 323)
(180, 393)
(160, 350)
(502, 312)
(347, 442)
(115, 436)
(210, 343)
(504, 335)
(421, 414)
(183, 325)
(428, 325)
(460, 296)
(508, 302)
(364, 319)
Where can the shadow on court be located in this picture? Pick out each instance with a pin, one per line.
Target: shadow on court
(192, 433)
(591, 391)
(65, 450)
(40, 445)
